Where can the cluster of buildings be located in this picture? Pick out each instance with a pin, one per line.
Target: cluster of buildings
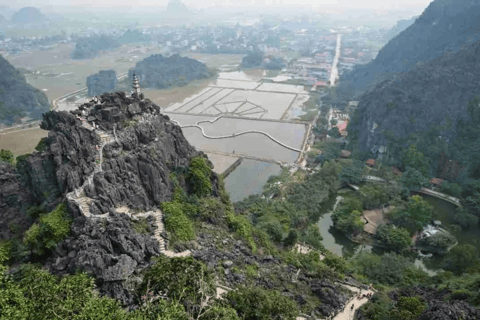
(16, 45)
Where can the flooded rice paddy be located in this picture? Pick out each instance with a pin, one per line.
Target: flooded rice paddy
(250, 144)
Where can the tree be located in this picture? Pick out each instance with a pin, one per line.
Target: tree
(184, 279)
(198, 176)
(413, 179)
(353, 173)
(255, 303)
(414, 159)
(408, 308)
(7, 156)
(177, 222)
(461, 258)
(291, 238)
(348, 223)
(393, 238)
(49, 230)
(438, 242)
(414, 216)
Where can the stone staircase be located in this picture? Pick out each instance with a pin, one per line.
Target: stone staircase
(158, 215)
(78, 196)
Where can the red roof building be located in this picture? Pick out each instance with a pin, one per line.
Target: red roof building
(371, 162)
(436, 182)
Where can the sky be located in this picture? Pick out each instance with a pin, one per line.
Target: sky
(370, 4)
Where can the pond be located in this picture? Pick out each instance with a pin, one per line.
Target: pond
(249, 178)
(337, 243)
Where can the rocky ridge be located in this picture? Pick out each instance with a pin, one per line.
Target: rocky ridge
(18, 98)
(436, 93)
(114, 152)
(444, 26)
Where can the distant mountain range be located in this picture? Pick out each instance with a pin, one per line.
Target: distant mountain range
(28, 15)
(445, 25)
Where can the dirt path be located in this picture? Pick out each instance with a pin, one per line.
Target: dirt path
(349, 312)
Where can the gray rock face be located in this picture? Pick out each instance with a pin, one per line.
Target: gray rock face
(12, 196)
(18, 97)
(332, 299)
(434, 94)
(110, 250)
(445, 25)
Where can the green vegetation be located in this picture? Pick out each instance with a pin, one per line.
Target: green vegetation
(413, 215)
(198, 176)
(462, 258)
(259, 304)
(42, 144)
(353, 173)
(440, 242)
(393, 238)
(140, 226)
(389, 269)
(7, 157)
(49, 230)
(177, 222)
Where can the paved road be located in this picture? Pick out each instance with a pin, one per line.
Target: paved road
(334, 71)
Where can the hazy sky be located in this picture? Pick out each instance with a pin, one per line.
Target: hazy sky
(374, 4)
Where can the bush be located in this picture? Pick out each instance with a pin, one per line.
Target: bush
(393, 238)
(291, 238)
(255, 303)
(390, 269)
(198, 176)
(7, 157)
(140, 226)
(439, 242)
(5, 251)
(184, 279)
(42, 144)
(408, 308)
(243, 227)
(177, 222)
(50, 230)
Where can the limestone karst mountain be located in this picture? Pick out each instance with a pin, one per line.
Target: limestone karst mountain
(28, 15)
(102, 82)
(445, 25)
(18, 98)
(433, 95)
(158, 71)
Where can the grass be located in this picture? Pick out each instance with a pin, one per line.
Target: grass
(309, 116)
(22, 142)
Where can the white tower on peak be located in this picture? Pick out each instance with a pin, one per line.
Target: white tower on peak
(136, 85)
